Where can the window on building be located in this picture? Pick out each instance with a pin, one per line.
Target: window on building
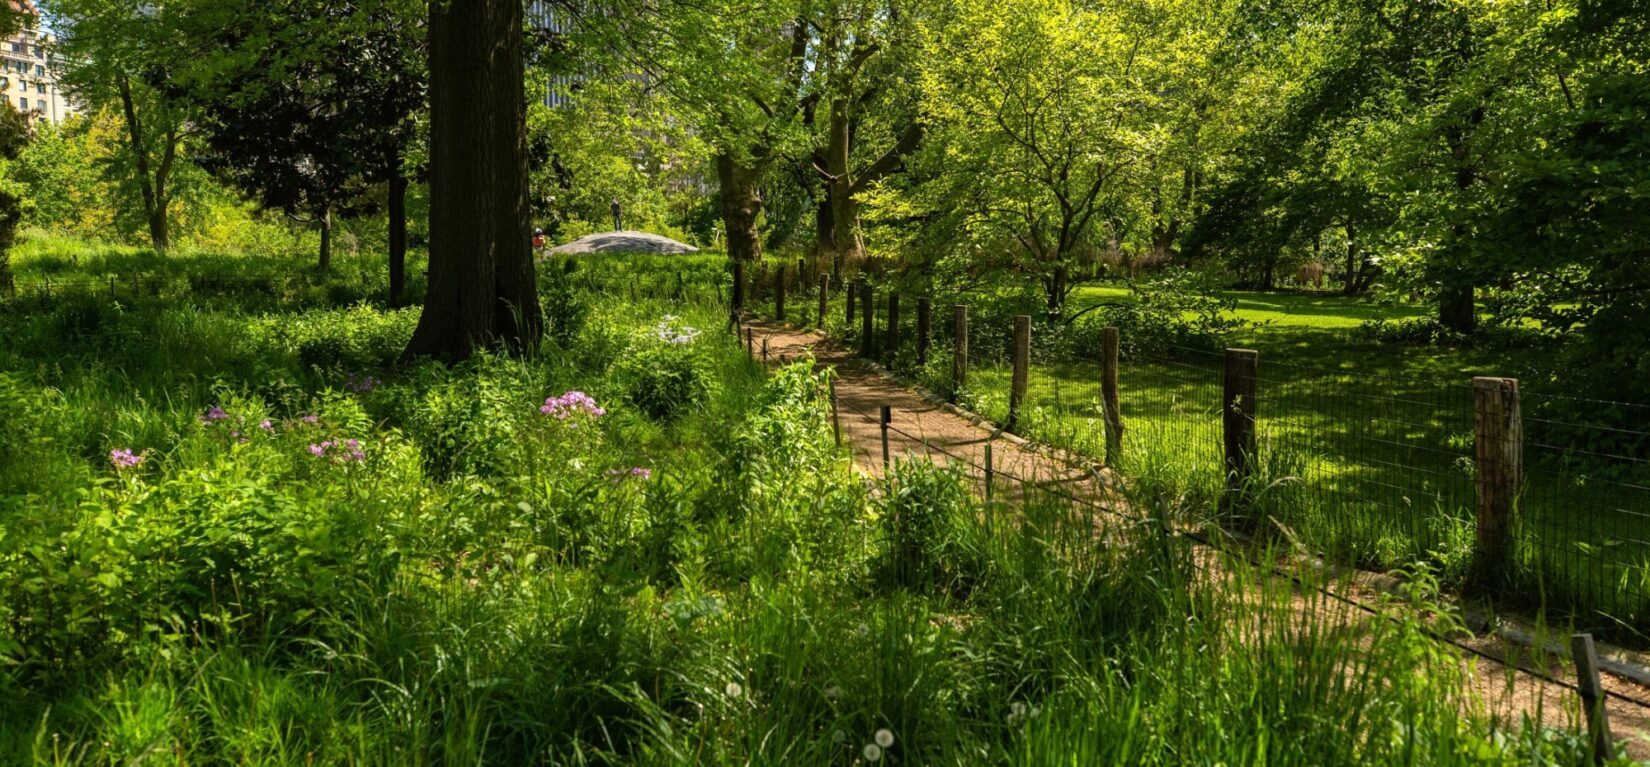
(23, 103)
(39, 87)
(40, 70)
(40, 104)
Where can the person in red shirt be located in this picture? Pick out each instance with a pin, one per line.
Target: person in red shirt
(538, 239)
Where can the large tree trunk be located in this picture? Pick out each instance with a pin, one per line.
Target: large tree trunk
(154, 208)
(839, 182)
(398, 234)
(1456, 309)
(325, 222)
(482, 291)
(741, 206)
(1354, 262)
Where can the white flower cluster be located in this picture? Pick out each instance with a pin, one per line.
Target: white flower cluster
(671, 331)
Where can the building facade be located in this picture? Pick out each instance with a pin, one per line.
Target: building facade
(28, 74)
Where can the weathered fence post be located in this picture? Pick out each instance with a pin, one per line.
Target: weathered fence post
(1109, 342)
(990, 471)
(1022, 370)
(925, 315)
(848, 304)
(1498, 436)
(836, 416)
(764, 350)
(1239, 391)
(1592, 697)
(779, 293)
(824, 297)
(801, 276)
(887, 418)
(750, 344)
(867, 315)
(959, 347)
(891, 347)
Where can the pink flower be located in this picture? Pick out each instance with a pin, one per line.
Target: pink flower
(266, 425)
(214, 415)
(570, 404)
(320, 450)
(124, 458)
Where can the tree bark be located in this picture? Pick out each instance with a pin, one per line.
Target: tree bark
(154, 205)
(1456, 309)
(482, 291)
(325, 222)
(1354, 263)
(741, 205)
(839, 183)
(398, 233)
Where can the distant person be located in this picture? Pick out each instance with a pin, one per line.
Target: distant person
(538, 240)
(618, 214)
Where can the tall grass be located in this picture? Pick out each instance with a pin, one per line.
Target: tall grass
(492, 584)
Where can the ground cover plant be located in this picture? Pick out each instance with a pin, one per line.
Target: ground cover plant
(251, 538)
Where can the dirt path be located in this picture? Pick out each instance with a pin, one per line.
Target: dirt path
(920, 427)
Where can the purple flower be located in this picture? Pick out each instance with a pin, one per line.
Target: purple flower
(214, 415)
(320, 450)
(572, 403)
(362, 384)
(355, 453)
(124, 458)
(266, 425)
(639, 472)
(311, 419)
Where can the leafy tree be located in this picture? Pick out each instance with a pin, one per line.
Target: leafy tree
(120, 55)
(14, 136)
(308, 106)
(1041, 113)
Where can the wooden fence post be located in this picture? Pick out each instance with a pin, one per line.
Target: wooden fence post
(848, 304)
(1498, 436)
(887, 418)
(959, 347)
(836, 416)
(1022, 372)
(779, 293)
(764, 350)
(990, 471)
(824, 297)
(1109, 342)
(1592, 697)
(867, 315)
(891, 347)
(925, 312)
(1239, 391)
(801, 275)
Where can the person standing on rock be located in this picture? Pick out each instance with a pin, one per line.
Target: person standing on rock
(618, 212)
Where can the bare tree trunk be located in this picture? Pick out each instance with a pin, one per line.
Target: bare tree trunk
(154, 209)
(482, 289)
(741, 206)
(325, 222)
(1354, 262)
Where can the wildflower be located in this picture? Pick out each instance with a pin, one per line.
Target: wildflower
(214, 415)
(832, 693)
(124, 458)
(572, 403)
(885, 737)
(872, 752)
(734, 690)
(311, 419)
(266, 425)
(319, 450)
(669, 332)
(355, 452)
(639, 472)
(361, 384)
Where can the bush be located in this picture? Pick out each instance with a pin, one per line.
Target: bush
(923, 510)
(663, 373)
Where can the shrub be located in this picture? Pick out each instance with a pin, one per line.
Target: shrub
(663, 373)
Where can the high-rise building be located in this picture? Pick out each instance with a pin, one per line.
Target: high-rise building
(28, 72)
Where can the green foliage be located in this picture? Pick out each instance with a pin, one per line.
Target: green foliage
(663, 372)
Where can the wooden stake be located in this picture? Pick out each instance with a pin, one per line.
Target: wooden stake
(836, 417)
(867, 314)
(891, 348)
(1109, 341)
(1022, 370)
(990, 473)
(925, 315)
(959, 347)
(1239, 390)
(887, 418)
(1592, 697)
(1498, 436)
(779, 293)
(824, 297)
(848, 304)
